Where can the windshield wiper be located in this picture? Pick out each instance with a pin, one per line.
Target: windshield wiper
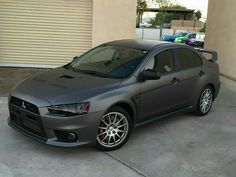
(95, 73)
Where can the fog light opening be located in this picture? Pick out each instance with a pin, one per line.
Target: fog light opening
(64, 136)
(71, 136)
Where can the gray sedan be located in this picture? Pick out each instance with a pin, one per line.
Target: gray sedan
(102, 95)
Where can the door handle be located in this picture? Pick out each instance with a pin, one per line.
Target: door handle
(175, 80)
(201, 73)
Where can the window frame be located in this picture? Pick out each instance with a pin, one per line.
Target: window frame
(156, 53)
(194, 53)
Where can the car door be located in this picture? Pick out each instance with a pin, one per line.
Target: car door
(189, 66)
(162, 95)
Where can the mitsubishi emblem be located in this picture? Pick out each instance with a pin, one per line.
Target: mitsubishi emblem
(23, 105)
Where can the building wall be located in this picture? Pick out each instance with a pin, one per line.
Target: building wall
(49, 33)
(186, 25)
(220, 34)
(189, 29)
(112, 20)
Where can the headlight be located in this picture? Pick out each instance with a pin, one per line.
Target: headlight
(70, 109)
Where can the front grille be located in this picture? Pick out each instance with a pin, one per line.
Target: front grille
(24, 105)
(27, 119)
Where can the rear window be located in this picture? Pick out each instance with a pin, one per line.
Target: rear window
(184, 58)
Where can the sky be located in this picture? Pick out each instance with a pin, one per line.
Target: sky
(201, 5)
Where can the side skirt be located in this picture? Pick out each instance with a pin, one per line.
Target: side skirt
(155, 118)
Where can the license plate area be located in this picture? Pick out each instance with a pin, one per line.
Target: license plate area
(31, 126)
(27, 121)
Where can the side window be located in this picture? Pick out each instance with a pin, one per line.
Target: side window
(162, 62)
(184, 58)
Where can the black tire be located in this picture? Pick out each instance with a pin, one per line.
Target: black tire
(199, 107)
(126, 119)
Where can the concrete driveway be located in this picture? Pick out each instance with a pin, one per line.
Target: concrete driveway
(179, 146)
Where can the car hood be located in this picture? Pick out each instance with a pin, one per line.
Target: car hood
(61, 86)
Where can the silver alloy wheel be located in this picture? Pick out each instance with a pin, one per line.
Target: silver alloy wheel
(206, 100)
(113, 129)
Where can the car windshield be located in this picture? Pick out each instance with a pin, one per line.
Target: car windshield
(193, 35)
(108, 61)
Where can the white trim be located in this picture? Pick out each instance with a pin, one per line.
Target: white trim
(28, 65)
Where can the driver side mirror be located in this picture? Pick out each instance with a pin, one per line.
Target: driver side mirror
(150, 74)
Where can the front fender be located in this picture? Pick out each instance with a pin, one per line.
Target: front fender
(126, 95)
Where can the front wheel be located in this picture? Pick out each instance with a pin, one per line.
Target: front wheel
(114, 129)
(205, 101)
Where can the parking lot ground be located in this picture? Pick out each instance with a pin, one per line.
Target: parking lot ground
(9, 77)
(182, 145)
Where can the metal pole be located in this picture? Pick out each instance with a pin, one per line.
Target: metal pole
(142, 32)
(161, 31)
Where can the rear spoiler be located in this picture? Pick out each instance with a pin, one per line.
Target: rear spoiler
(211, 52)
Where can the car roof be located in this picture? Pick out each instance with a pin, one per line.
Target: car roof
(182, 32)
(192, 33)
(138, 44)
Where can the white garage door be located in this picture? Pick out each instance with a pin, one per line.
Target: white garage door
(44, 33)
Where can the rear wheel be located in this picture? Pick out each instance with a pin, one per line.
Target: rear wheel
(114, 129)
(205, 101)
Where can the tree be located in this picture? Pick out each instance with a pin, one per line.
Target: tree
(198, 14)
(141, 6)
(163, 3)
(203, 30)
(164, 17)
(167, 4)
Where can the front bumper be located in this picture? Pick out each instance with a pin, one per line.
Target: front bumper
(43, 126)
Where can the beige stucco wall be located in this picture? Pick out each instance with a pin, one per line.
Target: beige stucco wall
(221, 34)
(186, 25)
(112, 20)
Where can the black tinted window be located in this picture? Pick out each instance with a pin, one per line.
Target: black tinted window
(109, 61)
(162, 62)
(192, 36)
(184, 58)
